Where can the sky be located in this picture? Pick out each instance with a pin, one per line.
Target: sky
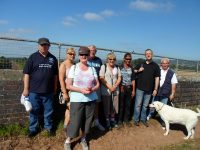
(169, 27)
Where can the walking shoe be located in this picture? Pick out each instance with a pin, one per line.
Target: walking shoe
(67, 146)
(32, 134)
(136, 123)
(113, 124)
(145, 123)
(84, 145)
(99, 126)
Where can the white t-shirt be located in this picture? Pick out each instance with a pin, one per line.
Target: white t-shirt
(82, 79)
(163, 74)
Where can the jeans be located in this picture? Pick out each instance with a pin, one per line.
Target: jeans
(124, 104)
(41, 101)
(141, 103)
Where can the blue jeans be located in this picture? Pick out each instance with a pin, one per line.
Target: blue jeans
(38, 102)
(141, 103)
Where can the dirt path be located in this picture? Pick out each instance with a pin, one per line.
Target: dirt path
(126, 138)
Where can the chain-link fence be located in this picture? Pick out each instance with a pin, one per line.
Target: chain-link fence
(14, 53)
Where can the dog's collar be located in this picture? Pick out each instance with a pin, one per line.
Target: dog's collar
(161, 107)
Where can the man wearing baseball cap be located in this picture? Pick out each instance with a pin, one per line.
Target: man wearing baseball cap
(40, 82)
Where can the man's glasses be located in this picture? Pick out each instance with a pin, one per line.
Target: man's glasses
(83, 54)
(127, 58)
(71, 54)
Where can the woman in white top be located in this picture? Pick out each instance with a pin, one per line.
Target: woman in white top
(110, 76)
(82, 82)
(63, 73)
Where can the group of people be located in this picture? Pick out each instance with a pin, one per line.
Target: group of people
(88, 82)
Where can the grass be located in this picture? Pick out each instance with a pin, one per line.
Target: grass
(13, 130)
(17, 129)
(187, 145)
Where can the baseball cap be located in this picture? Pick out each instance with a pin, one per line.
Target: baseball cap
(43, 41)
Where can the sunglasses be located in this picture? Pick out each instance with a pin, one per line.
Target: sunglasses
(83, 54)
(71, 54)
(112, 59)
(127, 58)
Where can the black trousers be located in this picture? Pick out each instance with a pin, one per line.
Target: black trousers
(125, 103)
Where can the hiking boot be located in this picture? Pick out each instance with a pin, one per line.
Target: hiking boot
(67, 146)
(84, 145)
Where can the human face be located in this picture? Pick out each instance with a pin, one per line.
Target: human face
(92, 52)
(83, 58)
(127, 60)
(148, 55)
(165, 65)
(44, 48)
(111, 61)
(71, 55)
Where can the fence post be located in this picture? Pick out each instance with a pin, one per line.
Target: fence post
(197, 66)
(176, 64)
(59, 51)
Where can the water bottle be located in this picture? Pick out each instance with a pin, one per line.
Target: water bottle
(27, 104)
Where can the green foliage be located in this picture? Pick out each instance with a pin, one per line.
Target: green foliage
(188, 145)
(13, 130)
(5, 63)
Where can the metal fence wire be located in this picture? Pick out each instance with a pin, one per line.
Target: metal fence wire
(14, 52)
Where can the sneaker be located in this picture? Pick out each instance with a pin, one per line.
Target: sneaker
(148, 117)
(67, 146)
(145, 123)
(100, 127)
(84, 145)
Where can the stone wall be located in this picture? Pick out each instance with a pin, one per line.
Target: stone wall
(11, 86)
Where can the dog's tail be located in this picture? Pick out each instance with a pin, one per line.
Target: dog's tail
(198, 114)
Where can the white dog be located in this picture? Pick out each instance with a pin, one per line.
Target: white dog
(170, 114)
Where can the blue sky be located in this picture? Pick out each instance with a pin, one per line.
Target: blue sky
(169, 27)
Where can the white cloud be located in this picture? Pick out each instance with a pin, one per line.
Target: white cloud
(3, 22)
(69, 21)
(92, 16)
(108, 13)
(149, 6)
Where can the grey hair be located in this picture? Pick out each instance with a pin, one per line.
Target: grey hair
(164, 59)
